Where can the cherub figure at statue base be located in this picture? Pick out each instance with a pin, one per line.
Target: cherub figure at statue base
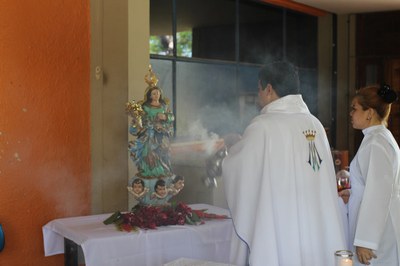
(152, 125)
(153, 191)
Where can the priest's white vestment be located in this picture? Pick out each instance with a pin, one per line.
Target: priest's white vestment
(281, 190)
(374, 205)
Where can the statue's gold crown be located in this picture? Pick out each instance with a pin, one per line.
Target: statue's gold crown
(150, 78)
(310, 134)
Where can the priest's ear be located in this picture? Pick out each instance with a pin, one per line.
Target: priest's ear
(264, 87)
(269, 89)
(261, 86)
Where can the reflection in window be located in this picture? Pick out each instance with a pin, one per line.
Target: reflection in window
(184, 43)
(164, 44)
(161, 45)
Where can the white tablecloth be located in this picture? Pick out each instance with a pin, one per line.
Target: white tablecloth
(104, 245)
(192, 262)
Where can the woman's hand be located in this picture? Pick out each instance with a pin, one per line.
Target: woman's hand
(364, 255)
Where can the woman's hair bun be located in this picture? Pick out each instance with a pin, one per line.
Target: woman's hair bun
(387, 94)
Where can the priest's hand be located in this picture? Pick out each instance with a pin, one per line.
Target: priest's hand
(345, 195)
(364, 255)
(231, 139)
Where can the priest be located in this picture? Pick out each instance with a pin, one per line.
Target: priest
(279, 181)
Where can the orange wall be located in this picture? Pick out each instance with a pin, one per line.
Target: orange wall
(44, 121)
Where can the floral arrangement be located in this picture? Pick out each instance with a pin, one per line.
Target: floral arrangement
(136, 111)
(151, 217)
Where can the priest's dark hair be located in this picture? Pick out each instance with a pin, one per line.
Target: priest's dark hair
(283, 77)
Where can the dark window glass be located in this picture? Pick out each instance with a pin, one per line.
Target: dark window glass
(212, 24)
(308, 88)
(161, 40)
(301, 39)
(260, 33)
(218, 58)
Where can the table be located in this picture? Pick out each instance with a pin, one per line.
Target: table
(103, 245)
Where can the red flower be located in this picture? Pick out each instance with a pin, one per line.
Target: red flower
(126, 227)
(181, 220)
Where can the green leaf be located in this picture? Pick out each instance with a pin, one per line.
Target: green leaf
(195, 217)
(173, 204)
(114, 217)
(188, 220)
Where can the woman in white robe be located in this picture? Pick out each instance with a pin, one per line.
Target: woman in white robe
(374, 204)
